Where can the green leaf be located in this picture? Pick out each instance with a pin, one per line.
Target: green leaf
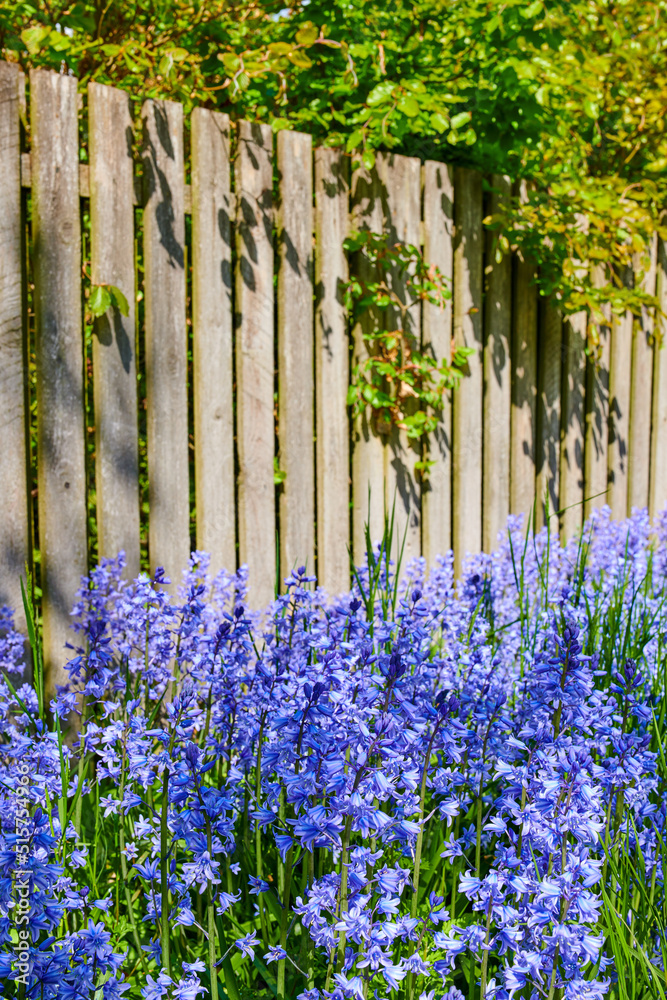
(279, 475)
(409, 106)
(100, 300)
(307, 34)
(381, 94)
(462, 118)
(531, 10)
(439, 122)
(368, 159)
(230, 61)
(34, 38)
(119, 300)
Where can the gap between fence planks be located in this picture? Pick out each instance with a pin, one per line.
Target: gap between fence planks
(437, 343)
(295, 353)
(59, 354)
(254, 359)
(332, 370)
(114, 355)
(212, 327)
(14, 483)
(166, 338)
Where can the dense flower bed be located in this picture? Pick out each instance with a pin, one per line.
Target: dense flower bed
(416, 790)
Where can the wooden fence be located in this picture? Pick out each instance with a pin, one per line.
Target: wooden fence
(255, 280)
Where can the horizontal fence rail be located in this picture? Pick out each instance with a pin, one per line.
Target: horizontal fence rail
(228, 377)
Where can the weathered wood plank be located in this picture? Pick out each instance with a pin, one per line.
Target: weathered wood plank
(14, 483)
(166, 338)
(369, 499)
(114, 361)
(296, 389)
(573, 424)
(254, 360)
(467, 399)
(639, 448)
(212, 323)
(332, 371)
(620, 366)
(549, 380)
(596, 451)
(497, 378)
(437, 342)
(59, 356)
(401, 178)
(658, 484)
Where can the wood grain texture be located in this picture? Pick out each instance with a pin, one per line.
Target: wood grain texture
(166, 338)
(573, 424)
(296, 388)
(401, 179)
(620, 365)
(254, 360)
(658, 480)
(596, 451)
(523, 419)
(467, 432)
(437, 343)
(59, 356)
(14, 483)
(369, 498)
(212, 323)
(639, 448)
(497, 378)
(110, 130)
(547, 452)
(332, 365)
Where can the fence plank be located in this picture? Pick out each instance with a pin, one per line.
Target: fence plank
(59, 356)
(14, 483)
(332, 371)
(166, 338)
(639, 448)
(524, 390)
(437, 341)
(114, 362)
(368, 484)
(620, 365)
(254, 359)
(212, 319)
(596, 451)
(658, 484)
(549, 380)
(401, 178)
(467, 400)
(573, 424)
(296, 418)
(497, 379)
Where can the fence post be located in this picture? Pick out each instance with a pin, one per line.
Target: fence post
(437, 342)
(620, 366)
(596, 450)
(296, 418)
(14, 482)
(467, 400)
(573, 424)
(332, 371)
(549, 380)
(114, 359)
(61, 463)
(255, 359)
(212, 338)
(658, 486)
(639, 438)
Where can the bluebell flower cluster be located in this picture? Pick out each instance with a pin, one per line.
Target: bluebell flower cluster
(420, 789)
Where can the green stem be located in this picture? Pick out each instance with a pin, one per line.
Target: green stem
(485, 956)
(284, 919)
(164, 873)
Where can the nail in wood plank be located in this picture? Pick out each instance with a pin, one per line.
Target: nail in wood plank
(437, 343)
(573, 421)
(114, 356)
(497, 378)
(14, 483)
(468, 397)
(166, 338)
(658, 484)
(369, 499)
(401, 178)
(296, 389)
(254, 360)
(332, 364)
(639, 448)
(59, 355)
(549, 380)
(212, 320)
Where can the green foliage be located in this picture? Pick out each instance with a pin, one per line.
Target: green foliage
(403, 385)
(102, 297)
(566, 96)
